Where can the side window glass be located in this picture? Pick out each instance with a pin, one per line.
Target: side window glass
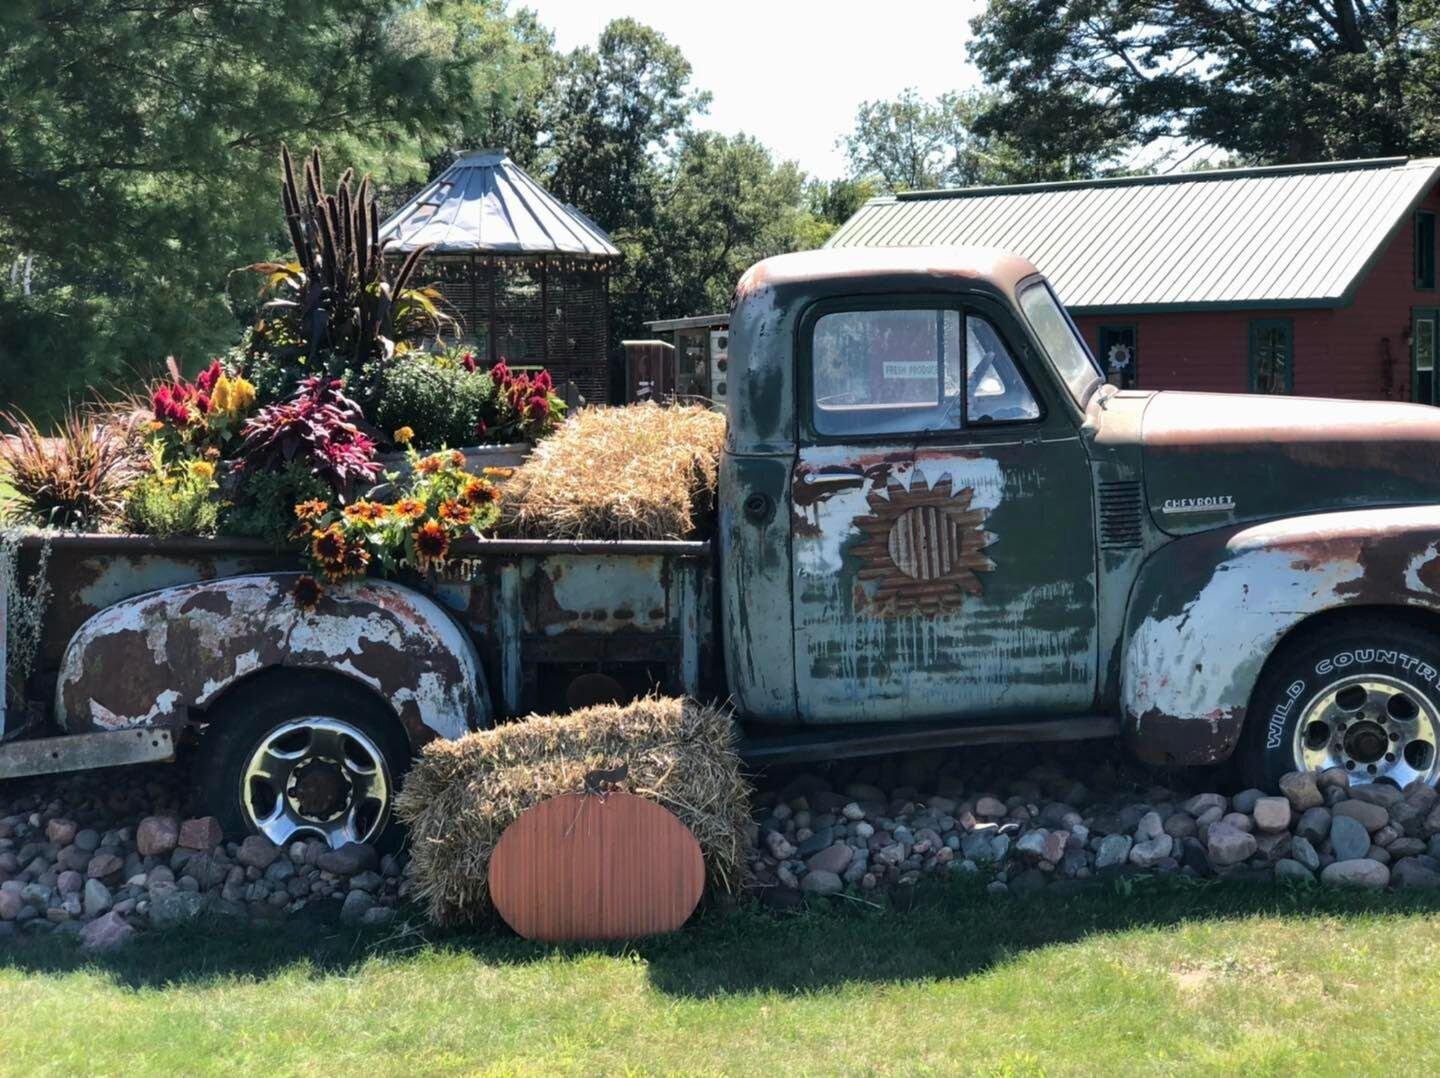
(886, 371)
(995, 391)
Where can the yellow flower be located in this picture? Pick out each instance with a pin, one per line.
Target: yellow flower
(232, 395)
(497, 473)
(404, 436)
(202, 469)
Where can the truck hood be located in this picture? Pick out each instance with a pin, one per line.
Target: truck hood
(1214, 459)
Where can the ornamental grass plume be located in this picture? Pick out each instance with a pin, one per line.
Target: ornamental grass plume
(461, 795)
(637, 472)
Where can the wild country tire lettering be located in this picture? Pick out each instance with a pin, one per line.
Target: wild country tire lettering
(1274, 733)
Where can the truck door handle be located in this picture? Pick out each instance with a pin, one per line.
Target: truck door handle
(812, 478)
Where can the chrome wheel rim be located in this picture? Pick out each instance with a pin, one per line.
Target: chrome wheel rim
(316, 777)
(1378, 728)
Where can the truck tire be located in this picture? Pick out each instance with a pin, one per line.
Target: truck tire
(303, 757)
(1363, 695)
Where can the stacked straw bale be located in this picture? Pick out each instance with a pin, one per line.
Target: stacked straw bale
(637, 472)
(461, 795)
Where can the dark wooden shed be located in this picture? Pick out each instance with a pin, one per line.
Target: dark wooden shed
(527, 274)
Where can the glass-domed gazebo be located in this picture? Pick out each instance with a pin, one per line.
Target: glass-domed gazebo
(527, 275)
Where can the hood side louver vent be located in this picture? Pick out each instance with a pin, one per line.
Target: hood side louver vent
(1121, 506)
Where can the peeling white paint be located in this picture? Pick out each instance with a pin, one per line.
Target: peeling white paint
(260, 612)
(1204, 659)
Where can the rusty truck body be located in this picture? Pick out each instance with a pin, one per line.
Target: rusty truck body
(936, 525)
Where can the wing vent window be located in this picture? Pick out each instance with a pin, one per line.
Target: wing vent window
(1121, 506)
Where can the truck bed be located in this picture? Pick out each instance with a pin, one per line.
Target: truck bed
(541, 613)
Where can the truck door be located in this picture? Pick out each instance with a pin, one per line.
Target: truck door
(942, 539)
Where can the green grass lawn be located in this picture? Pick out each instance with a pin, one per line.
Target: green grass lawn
(1153, 980)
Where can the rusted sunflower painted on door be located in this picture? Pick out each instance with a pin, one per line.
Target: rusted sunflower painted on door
(922, 549)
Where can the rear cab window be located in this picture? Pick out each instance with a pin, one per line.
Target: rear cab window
(899, 371)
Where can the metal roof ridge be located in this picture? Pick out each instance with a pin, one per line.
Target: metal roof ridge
(1199, 176)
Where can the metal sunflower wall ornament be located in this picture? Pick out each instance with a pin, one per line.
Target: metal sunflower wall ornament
(922, 549)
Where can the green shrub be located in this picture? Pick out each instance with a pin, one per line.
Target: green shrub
(173, 499)
(264, 503)
(444, 404)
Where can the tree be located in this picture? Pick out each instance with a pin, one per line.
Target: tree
(722, 204)
(1267, 80)
(615, 108)
(910, 144)
(138, 150)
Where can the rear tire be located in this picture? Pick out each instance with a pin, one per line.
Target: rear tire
(1363, 696)
(302, 757)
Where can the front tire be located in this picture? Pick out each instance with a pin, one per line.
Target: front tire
(304, 758)
(1363, 696)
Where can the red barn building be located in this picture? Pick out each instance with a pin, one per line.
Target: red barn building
(1317, 280)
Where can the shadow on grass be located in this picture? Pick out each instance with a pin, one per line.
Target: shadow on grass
(944, 931)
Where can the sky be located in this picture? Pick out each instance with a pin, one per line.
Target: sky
(793, 72)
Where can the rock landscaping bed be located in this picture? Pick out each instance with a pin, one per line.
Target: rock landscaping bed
(103, 854)
(1074, 817)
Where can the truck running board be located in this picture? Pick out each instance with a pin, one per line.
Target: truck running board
(80, 752)
(842, 742)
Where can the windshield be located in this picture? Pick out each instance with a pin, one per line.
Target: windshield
(1057, 333)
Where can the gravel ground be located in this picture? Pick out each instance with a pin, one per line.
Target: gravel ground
(105, 854)
(1076, 815)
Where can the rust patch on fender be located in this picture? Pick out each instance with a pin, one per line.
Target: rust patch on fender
(1171, 741)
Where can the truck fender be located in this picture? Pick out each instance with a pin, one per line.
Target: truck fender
(149, 660)
(1207, 611)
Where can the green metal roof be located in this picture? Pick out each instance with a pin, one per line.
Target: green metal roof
(1285, 236)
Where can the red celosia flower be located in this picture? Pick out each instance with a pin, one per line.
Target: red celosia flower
(206, 379)
(540, 406)
(544, 382)
(468, 362)
(500, 372)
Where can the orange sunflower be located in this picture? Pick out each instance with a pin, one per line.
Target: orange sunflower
(432, 543)
(479, 492)
(357, 558)
(431, 464)
(328, 547)
(369, 512)
(457, 459)
(307, 593)
(308, 512)
(408, 509)
(454, 512)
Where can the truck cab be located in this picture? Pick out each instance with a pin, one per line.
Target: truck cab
(936, 514)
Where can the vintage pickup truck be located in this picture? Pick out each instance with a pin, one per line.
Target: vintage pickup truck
(936, 525)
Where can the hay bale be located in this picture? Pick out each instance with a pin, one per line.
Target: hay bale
(637, 472)
(461, 795)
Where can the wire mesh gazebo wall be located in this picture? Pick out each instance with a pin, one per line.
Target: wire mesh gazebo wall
(548, 312)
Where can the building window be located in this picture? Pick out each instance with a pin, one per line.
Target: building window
(1424, 341)
(1272, 355)
(1120, 356)
(1424, 249)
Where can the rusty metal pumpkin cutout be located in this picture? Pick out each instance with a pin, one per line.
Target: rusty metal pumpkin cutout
(587, 867)
(922, 549)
